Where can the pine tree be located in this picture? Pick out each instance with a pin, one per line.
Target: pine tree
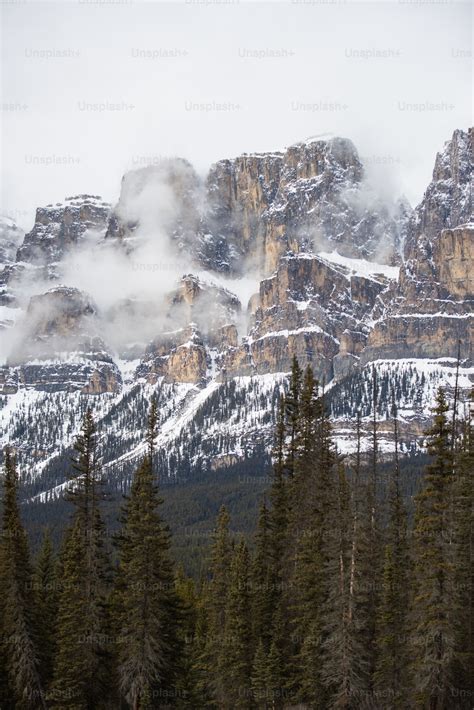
(187, 691)
(201, 649)
(46, 601)
(340, 643)
(301, 447)
(374, 540)
(82, 673)
(292, 413)
(279, 513)
(432, 633)
(76, 661)
(358, 600)
(84, 494)
(238, 647)
(214, 660)
(146, 600)
(365, 559)
(463, 564)
(19, 651)
(278, 549)
(152, 430)
(277, 693)
(262, 584)
(260, 678)
(309, 525)
(393, 659)
(309, 412)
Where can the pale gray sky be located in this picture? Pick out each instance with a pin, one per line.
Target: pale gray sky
(91, 88)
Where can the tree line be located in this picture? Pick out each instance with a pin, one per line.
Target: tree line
(342, 599)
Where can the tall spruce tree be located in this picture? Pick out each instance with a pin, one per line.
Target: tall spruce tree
(46, 605)
(146, 600)
(308, 526)
(340, 642)
(278, 550)
(374, 539)
(432, 631)
(238, 647)
(214, 660)
(21, 684)
(260, 678)
(201, 648)
(463, 563)
(393, 656)
(358, 602)
(262, 584)
(187, 693)
(292, 413)
(82, 673)
(278, 520)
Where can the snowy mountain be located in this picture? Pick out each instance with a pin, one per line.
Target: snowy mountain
(202, 290)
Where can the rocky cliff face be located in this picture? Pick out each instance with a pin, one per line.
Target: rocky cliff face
(11, 237)
(438, 321)
(256, 208)
(60, 347)
(307, 308)
(312, 196)
(34, 257)
(446, 204)
(203, 318)
(58, 227)
(431, 310)
(453, 255)
(297, 231)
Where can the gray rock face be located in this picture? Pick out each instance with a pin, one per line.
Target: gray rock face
(277, 220)
(310, 308)
(60, 320)
(60, 346)
(432, 308)
(312, 196)
(446, 204)
(11, 237)
(255, 208)
(201, 320)
(277, 212)
(58, 227)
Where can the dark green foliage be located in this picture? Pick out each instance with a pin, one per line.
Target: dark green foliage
(312, 491)
(187, 681)
(46, 588)
(213, 660)
(260, 680)
(146, 600)
(292, 404)
(463, 564)
(263, 595)
(340, 646)
(20, 681)
(393, 654)
(432, 628)
(82, 673)
(337, 602)
(237, 648)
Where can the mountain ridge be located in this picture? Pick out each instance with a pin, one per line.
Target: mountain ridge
(300, 230)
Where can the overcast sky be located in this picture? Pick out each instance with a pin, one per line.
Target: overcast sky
(93, 88)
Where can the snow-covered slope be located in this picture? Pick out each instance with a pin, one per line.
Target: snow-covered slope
(201, 292)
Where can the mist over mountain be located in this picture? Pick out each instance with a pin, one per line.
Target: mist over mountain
(202, 289)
